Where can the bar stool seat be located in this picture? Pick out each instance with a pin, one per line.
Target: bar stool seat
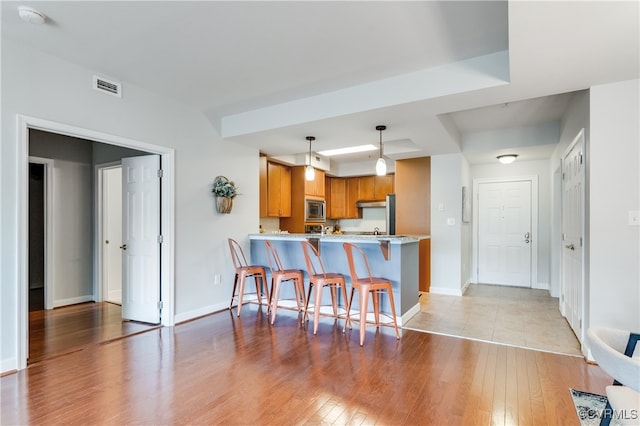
(318, 280)
(365, 285)
(243, 271)
(279, 275)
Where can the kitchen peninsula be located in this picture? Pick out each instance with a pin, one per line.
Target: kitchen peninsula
(394, 257)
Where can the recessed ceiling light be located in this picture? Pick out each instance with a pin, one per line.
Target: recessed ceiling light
(30, 15)
(347, 150)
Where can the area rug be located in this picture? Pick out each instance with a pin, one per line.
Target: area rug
(589, 407)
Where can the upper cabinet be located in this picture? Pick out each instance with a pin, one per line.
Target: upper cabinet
(275, 189)
(382, 185)
(315, 188)
(336, 198)
(344, 193)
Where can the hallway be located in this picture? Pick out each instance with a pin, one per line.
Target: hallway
(511, 315)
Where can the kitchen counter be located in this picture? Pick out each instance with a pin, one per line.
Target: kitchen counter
(394, 257)
(355, 238)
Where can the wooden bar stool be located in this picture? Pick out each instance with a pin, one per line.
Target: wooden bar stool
(280, 275)
(244, 271)
(365, 285)
(319, 279)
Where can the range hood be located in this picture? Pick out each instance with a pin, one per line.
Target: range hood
(372, 203)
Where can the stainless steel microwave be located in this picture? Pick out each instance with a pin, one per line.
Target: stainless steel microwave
(314, 210)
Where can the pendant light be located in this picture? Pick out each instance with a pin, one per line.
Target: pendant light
(310, 172)
(381, 165)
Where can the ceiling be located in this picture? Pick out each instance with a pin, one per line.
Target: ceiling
(267, 74)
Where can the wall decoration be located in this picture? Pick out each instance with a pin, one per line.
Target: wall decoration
(225, 191)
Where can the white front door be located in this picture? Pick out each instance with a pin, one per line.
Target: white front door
(572, 234)
(141, 239)
(504, 233)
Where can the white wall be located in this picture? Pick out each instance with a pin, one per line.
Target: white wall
(614, 179)
(446, 240)
(72, 216)
(538, 168)
(42, 86)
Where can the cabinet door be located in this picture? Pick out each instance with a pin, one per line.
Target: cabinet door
(263, 187)
(338, 195)
(383, 185)
(366, 189)
(315, 188)
(278, 190)
(353, 195)
(285, 191)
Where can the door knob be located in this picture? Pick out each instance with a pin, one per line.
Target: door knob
(570, 247)
(123, 247)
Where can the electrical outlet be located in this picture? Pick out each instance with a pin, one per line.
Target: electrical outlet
(451, 221)
(216, 279)
(634, 218)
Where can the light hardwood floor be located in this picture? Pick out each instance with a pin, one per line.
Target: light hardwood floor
(221, 369)
(510, 315)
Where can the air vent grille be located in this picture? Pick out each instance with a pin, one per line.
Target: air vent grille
(103, 85)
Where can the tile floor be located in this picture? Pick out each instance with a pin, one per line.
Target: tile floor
(512, 315)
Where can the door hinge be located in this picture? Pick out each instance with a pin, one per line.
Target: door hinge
(580, 157)
(160, 173)
(160, 305)
(564, 236)
(160, 239)
(580, 241)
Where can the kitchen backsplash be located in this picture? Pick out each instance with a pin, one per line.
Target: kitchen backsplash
(371, 218)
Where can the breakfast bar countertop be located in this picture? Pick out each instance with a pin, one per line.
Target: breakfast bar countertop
(359, 238)
(394, 257)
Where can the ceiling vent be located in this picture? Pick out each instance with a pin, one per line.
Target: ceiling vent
(103, 85)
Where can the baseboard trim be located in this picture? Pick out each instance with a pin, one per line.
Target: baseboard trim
(8, 366)
(72, 301)
(408, 315)
(540, 286)
(447, 291)
(207, 310)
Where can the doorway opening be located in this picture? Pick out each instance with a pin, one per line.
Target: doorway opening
(67, 303)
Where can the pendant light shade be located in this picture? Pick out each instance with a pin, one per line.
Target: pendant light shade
(310, 172)
(381, 165)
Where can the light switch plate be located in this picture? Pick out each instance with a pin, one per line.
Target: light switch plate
(634, 218)
(451, 221)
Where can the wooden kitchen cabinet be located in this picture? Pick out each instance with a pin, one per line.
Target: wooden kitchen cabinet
(337, 198)
(353, 195)
(382, 185)
(315, 188)
(278, 190)
(366, 188)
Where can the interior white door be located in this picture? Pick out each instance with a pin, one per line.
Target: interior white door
(141, 239)
(112, 232)
(572, 242)
(504, 233)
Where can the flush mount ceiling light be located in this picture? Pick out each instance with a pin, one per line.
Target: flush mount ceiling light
(32, 16)
(381, 165)
(310, 172)
(507, 158)
(347, 150)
